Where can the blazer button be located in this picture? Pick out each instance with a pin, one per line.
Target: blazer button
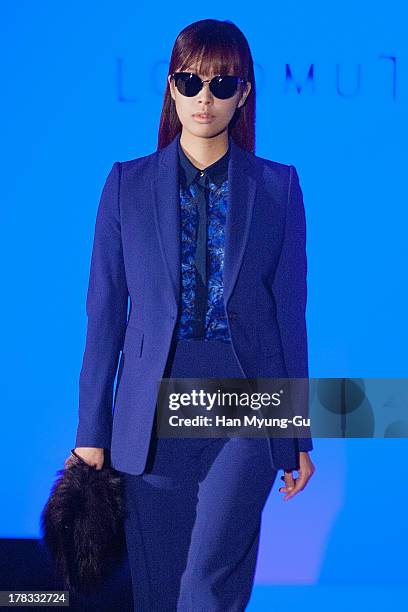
(232, 315)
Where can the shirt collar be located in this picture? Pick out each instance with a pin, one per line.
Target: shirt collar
(218, 171)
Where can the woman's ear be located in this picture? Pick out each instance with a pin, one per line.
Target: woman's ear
(171, 86)
(245, 94)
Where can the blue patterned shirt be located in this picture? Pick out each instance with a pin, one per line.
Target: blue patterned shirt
(203, 211)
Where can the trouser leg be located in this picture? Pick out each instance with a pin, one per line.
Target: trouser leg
(221, 563)
(160, 508)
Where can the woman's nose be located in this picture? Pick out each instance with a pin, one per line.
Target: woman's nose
(205, 92)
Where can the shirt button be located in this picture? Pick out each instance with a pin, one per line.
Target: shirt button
(202, 173)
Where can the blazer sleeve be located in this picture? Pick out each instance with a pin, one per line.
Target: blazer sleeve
(106, 309)
(290, 290)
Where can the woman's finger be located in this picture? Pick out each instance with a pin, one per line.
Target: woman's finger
(300, 484)
(289, 482)
(69, 461)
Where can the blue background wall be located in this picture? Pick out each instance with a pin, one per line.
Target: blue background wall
(82, 87)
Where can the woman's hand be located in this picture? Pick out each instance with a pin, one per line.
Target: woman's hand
(91, 456)
(294, 485)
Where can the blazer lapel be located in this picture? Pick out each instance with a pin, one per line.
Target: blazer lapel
(241, 198)
(166, 208)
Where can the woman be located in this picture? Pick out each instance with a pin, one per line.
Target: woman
(208, 241)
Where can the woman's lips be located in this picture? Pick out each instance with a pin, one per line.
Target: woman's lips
(203, 117)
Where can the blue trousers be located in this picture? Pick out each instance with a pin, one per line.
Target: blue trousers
(194, 516)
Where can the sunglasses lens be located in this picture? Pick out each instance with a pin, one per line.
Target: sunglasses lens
(224, 87)
(188, 84)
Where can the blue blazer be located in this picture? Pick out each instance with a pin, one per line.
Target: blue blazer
(135, 267)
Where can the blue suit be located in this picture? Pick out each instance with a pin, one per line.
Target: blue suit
(136, 255)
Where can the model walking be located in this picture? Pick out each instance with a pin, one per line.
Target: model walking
(206, 243)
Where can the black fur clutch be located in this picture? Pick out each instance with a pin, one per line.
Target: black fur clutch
(82, 524)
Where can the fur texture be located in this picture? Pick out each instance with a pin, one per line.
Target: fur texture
(82, 524)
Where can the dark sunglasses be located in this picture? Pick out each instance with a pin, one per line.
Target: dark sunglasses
(221, 86)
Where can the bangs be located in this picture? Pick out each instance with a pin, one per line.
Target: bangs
(216, 57)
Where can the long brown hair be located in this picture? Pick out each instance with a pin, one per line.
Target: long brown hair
(219, 47)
